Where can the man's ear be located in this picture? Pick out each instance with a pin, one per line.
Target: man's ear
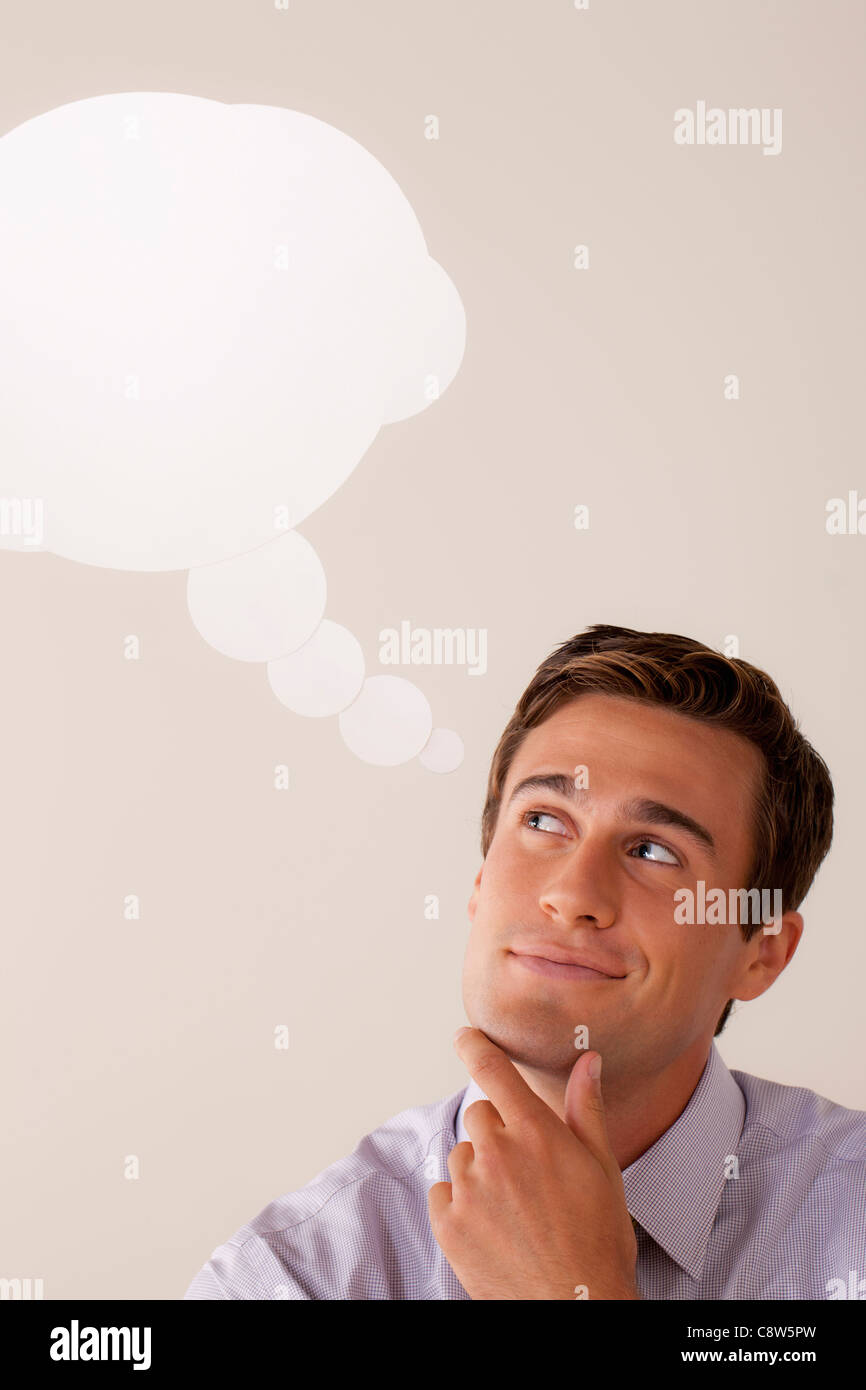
(774, 947)
(473, 901)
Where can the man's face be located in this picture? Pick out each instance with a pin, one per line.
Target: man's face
(595, 873)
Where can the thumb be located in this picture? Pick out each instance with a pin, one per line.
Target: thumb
(584, 1108)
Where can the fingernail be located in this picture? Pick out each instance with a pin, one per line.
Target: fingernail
(460, 1032)
(595, 1067)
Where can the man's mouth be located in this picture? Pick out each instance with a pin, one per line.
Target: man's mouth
(563, 969)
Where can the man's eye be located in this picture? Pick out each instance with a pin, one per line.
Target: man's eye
(540, 815)
(654, 858)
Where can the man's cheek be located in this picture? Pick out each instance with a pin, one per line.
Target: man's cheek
(680, 976)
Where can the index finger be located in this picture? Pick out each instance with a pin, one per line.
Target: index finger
(498, 1077)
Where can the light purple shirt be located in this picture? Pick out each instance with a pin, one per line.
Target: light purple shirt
(756, 1191)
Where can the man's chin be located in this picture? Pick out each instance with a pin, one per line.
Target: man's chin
(548, 1049)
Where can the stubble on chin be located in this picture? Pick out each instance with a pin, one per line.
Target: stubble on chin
(522, 1017)
(532, 1034)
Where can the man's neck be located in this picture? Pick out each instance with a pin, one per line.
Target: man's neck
(637, 1113)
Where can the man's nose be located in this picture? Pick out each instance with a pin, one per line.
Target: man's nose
(583, 886)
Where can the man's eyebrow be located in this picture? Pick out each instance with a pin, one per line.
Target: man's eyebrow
(643, 809)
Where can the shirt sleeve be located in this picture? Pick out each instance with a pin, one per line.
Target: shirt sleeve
(205, 1285)
(247, 1270)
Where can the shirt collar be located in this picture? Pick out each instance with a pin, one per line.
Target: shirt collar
(673, 1190)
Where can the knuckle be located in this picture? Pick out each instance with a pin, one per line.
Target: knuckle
(479, 1107)
(486, 1066)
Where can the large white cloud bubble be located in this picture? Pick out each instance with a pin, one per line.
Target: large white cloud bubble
(208, 313)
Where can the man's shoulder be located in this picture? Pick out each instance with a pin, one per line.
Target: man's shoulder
(392, 1154)
(306, 1243)
(780, 1116)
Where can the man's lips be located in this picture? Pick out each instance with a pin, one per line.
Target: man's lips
(546, 960)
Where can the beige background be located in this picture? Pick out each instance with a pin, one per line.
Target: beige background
(603, 387)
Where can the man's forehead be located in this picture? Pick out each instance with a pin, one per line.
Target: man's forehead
(639, 736)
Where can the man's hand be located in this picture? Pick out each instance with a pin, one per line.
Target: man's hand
(535, 1208)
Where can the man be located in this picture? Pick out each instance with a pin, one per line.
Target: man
(641, 774)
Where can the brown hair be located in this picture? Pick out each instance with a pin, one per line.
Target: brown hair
(794, 813)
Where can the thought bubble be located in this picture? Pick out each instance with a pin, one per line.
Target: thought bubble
(260, 605)
(323, 676)
(389, 723)
(443, 751)
(208, 313)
